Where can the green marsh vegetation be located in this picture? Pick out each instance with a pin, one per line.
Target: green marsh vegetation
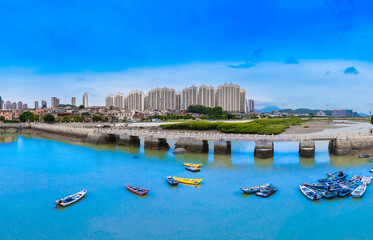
(263, 126)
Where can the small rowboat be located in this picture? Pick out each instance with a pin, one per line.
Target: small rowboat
(192, 165)
(371, 170)
(321, 185)
(193, 169)
(359, 191)
(339, 176)
(348, 190)
(309, 193)
(188, 180)
(364, 156)
(172, 181)
(136, 190)
(63, 202)
(266, 192)
(255, 189)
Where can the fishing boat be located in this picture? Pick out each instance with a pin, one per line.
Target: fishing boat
(359, 191)
(188, 180)
(348, 190)
(63, 202)
(255, 189)
(324, 185)
(340, 176)
(266, 192)
(171, 181)
(364, 156)
(371, 170)
(137, 190)
(371, 160)
(327, 193)
(192, 165)
(309, 193)
(192, 169)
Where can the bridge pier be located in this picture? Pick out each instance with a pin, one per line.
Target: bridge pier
(222, 147)
(307, 149)
(156, 143)
(263, 149)
(190, 145)
(128, 140)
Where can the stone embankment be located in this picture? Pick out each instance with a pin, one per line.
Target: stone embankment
(339, 144)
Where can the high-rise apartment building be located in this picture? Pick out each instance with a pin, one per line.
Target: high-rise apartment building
(119, 101)
(25, 106)
(250, 105)
(8, 105)
(243, 101)
(178, 101)
(14, 106)
(1, 104)
(73, 101)
(135, 101)
(85, 100)
(36, 105)
(19, 105)
(55, 102)
(228, 97)
(190, 97)
(206, 96)
(162, 99)
(44, 104)
(109, 100)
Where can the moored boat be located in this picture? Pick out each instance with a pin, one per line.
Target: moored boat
(364, 156)
(348, 190)
(188, 180)
(192, 169)
(63, 202)
(192, 165)
(321, 185)
(339, 176)
(359, 191)
(139, 191)
(171, 181)
(371, 170)
(255, 189)
(266, 192)
(309, 193)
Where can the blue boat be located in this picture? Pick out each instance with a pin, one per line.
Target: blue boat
(334, 178)
(324, 185)
(346, 191)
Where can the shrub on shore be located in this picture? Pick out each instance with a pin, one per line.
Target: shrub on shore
(264, 126)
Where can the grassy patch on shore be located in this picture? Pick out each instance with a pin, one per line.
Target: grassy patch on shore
(264, 126)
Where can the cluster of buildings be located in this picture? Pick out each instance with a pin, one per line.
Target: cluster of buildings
(231, 97)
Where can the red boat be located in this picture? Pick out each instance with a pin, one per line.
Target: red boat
(137, 190)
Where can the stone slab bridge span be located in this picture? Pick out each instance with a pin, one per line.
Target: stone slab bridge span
(197, 142)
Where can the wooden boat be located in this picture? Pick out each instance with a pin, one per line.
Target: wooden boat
(137, 190)
(359, 191)
(192, 169)
(326, 193)
(348, 190)
(371, 170)
(340, 176)
(324, 185)
(266, 192)
(364, 156)
(255, 189)
(63, 202)
(171, 181)
(309, 193)
(371, 160)
(188, 180)
(192, 165)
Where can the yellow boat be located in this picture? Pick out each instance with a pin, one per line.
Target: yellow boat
(188, 180)
(192, 165)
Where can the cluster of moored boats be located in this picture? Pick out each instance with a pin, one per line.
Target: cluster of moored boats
(336, 185)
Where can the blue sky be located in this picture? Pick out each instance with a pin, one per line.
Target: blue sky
(315, 54)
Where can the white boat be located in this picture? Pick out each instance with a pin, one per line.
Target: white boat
(309, 193)
(63, 202)
(359, 191)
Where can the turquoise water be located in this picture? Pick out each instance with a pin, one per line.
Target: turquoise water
(35, 172)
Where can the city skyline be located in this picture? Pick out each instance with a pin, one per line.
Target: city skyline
(272, 56)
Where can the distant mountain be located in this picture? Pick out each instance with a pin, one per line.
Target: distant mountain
(363, 115)
(268, 109)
